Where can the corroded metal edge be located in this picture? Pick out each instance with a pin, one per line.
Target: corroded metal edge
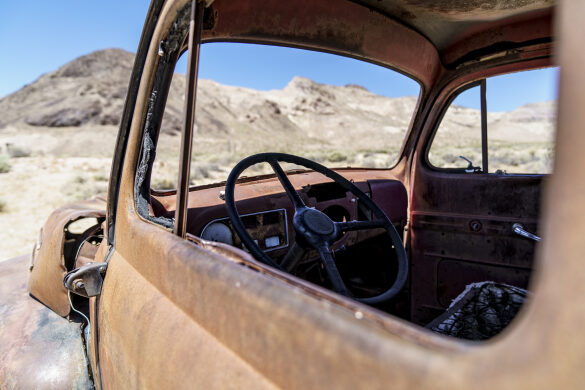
(38, 348)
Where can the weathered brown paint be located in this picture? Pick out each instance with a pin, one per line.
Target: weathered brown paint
(329, 25)
(234, 304)
(534, 26)
(207, 205)
(443, 204)
(452, 23)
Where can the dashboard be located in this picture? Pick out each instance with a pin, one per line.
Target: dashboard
(267, 212)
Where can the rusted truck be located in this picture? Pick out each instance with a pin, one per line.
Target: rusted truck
(317, 277)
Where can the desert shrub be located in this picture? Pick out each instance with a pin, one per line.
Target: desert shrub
(101, 177)
(79, 179)
(370, 161)
(214, 167)
(2, 206)
(225, 160)
(200, 171)
(203, 171)
(258, 169)
(336, 157)
(17, 152)
(4, 163)
(163, 184)
(315, 156)
(80, 188)
(99, 188)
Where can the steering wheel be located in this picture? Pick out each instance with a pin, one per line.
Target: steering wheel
(313, 228)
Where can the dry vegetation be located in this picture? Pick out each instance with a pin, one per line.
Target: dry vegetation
(51, 167)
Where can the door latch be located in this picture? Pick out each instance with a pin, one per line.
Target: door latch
(519, 229)
(470, 168)
(86, 280)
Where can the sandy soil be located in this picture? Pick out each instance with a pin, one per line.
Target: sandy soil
(35, 186)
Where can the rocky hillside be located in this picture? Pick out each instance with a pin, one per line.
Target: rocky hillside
(88, 90)
(305, 115)
(91, 90)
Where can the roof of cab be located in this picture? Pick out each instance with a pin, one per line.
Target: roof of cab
(450, 23)
(417, 37)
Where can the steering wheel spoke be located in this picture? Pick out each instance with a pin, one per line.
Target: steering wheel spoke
(288, 187)
(292, 257)
(332, 271)
(349, 226)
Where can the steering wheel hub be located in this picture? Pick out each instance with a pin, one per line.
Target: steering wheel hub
(317, 222)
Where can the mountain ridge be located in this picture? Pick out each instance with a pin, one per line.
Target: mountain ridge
(90, 91)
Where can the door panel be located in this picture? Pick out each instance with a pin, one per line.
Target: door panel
(173, 313)
(148, 342)
(461, 233)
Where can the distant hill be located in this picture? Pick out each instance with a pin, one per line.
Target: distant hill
(90, 91)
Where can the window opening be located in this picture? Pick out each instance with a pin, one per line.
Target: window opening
(516, 112)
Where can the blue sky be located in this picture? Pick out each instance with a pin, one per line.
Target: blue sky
(509, 91)
(40, 36)
(272, 67)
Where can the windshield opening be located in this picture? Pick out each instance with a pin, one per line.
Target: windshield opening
(338, 111)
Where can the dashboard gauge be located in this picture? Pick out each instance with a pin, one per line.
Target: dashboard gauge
(269, 229)
(218, 232)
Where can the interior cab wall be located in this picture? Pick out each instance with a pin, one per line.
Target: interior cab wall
(461, 224)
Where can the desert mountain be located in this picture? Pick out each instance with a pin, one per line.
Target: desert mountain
(90, 90)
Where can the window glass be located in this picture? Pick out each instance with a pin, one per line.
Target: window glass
(256, 98)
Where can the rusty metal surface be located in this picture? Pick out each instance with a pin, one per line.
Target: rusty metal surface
(443, 207)
(238, 326)
(457, 27)
(449, 29)
(194, 48)
(467, 220)
(46, 277)
(209, 196)
(176, 314)
(330, 25)
(286, 334)
(38, 349)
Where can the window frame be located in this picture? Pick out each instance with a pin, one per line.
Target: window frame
(485, 145)
(164, 73)
(458, 91)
